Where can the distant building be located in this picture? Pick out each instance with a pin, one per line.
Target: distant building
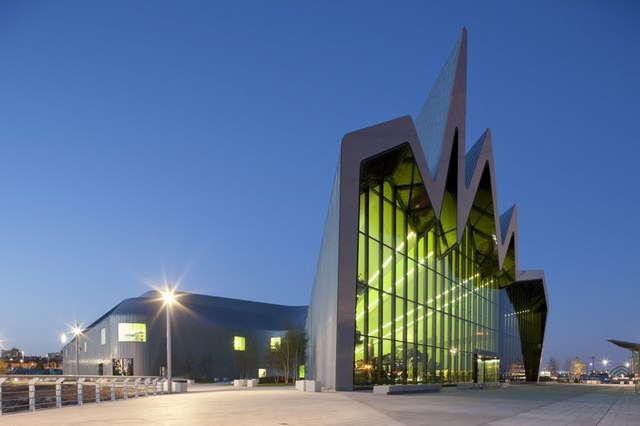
(13, 354)
(213, 337)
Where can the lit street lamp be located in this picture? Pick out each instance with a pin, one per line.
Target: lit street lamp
(169, 298)
(77, 332)
(604, 363)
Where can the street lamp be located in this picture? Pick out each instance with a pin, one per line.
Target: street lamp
(604, 363)
(168, 297)
(77, 332)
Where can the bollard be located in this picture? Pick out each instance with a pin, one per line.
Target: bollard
(162, 382)
(80, 382)
(2, 380)
(126, 388)
(32, 394)
(154, 383)
(113, 389)
(98, 387)
(146, 386)
(59, 392)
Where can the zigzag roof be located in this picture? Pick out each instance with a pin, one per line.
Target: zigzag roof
(441, 129)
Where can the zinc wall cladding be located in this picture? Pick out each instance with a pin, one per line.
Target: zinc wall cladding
(202, 327)
(321, 325)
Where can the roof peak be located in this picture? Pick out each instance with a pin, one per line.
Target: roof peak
(445, 107)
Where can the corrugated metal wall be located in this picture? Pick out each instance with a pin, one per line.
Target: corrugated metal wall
(202, 338)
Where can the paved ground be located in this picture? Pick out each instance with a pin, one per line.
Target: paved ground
(518, 405)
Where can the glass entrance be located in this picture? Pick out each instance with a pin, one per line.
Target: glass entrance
(487, 369)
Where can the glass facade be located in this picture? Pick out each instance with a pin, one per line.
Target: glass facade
(428, 309)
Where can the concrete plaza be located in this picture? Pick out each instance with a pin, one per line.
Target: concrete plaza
(207, 404)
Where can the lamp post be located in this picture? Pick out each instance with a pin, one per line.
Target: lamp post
(77, 332)
(169, 297)
(604, 363)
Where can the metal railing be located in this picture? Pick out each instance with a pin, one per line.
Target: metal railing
(24, 393)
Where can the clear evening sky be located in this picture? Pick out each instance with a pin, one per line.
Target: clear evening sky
(197, 141)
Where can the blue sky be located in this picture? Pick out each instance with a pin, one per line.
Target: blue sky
(198, 141)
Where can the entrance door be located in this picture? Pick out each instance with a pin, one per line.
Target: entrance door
(487, 369)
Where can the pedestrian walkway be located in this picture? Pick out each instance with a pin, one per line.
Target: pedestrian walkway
(207, 404)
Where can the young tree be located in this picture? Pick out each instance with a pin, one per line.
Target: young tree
(273, 359)
(577, 368)
(206, 362)
(553, 367)
(188, 366)
(294, 345)
(246, 360)
(287, 356)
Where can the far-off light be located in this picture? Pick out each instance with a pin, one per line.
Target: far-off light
(63, 338)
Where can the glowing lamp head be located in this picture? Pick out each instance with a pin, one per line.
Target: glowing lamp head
(63, 338)
(168, 296)
(77, 331)
(626, 364)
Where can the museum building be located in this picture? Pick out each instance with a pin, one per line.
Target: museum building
(417, 279)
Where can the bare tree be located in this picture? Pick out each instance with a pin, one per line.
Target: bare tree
(288, 355)
(273, 359)
(188, 366)
(295, 348)
(206, 362)
(553, 367)
(246, 360)
(577, 368)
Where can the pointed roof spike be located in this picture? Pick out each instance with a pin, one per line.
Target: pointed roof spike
(471, 159)
(445, 108)
(505, 221)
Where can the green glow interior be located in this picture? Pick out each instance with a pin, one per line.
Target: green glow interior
(427, 307)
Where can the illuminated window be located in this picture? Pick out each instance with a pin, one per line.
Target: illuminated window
(132, 332)
(238, 343)
(275, 342)
(103, 336)
(262, 372)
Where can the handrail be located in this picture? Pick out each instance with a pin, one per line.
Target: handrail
(86, 376)
(28, 392)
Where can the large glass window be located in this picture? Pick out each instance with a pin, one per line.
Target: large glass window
(132, 332)
(103, 336)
